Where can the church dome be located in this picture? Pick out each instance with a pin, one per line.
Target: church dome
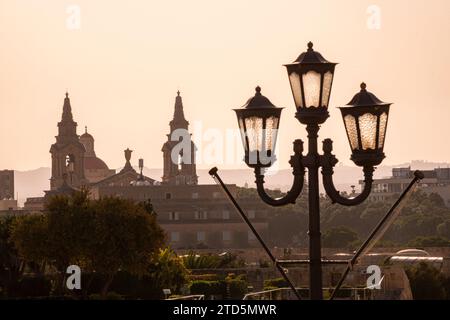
(91, 162)
(86, 136)
(94, 163)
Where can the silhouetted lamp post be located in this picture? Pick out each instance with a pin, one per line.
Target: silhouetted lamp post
(365, 118)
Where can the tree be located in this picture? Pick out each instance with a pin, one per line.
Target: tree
(70, 224)
(101, 236)
(339, 237)
(424, 242)
(11, 266)
(426, 282)
(167, 271)
(124, 236)
(30, 237)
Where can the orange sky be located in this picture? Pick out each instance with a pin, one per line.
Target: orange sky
(124, 65)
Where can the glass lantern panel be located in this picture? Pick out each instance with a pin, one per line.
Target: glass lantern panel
(352, 132)
(368, 129)
(242, 130)
(254, 126)
(327, 82)
(311, 85)
(296, 87)
(383, 126)
(270, 133)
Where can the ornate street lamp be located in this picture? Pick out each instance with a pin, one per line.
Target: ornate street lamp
(365, 119)
(258, 122)
(311, 78)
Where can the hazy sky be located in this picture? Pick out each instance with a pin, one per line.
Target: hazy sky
(124, 64)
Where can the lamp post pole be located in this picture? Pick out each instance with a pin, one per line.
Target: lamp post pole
(365, 118)
(315, 247)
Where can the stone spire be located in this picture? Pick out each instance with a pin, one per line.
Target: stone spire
(67, 110)
(67, 146)
(179, 121)
(67, 127)
(179, 169)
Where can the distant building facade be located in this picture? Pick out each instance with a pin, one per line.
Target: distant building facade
(6, 184)
(68, 152)
(74, 156)
(435, 181)
(95, 169)
(197, 216)
(179, 164)
(193, 215)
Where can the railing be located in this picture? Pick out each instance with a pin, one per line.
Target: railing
(191, 297)
(287, 294)
(275, 294)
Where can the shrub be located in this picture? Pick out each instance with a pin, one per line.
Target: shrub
(238, 288)
(29, 287)
(276, 283)
(109, 296)
(208, 288)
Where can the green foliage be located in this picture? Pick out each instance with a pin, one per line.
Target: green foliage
(31, 287)
(109, 296)
(207, 277)
(123, 237)
(339, 237)
(194, 261)
(101, 236)
(208, 288)
(237, 288)
(423, 215)
(264, 264)
(167, 271)
(424, 242)
(30, 237)
(11, 266)
(427, 283)
(275, 283)
(232, 287)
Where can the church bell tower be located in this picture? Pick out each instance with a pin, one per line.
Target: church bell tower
(179, 163)
(67, 153)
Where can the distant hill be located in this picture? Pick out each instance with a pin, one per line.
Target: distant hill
(33, 183)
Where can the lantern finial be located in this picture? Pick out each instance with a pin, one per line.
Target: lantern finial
(310, 46)
(363, 86)
(258, 90)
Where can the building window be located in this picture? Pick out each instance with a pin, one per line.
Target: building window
(201, 236)
(174, 236)
(251, 214)
(201, 215)
(226, 235)
(168, 196)
(195, 195)
(216, 195)
(226, 215)
(174, 216)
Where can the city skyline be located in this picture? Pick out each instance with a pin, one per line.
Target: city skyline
(125, 63)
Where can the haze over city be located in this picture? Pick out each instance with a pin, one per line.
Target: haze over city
(125, 63)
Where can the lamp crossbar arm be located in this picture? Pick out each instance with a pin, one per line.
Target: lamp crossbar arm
(328, 161)
(384, 223)
(297, 185)
(214, 173)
